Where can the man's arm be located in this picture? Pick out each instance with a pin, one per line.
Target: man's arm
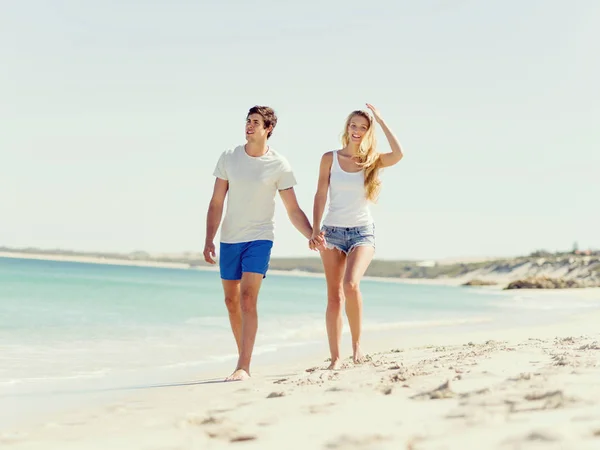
(296, 215)
(213, 218)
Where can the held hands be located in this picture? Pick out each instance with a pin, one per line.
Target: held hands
(376, 113)
(209, 252)
(317, 241)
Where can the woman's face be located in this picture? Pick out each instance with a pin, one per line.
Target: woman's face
(357, 128)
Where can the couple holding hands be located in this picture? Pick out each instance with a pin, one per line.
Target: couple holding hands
(249, 177)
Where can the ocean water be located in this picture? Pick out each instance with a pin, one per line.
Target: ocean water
(62, 323)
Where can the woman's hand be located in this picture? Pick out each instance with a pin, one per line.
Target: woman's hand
(391, 158)
(376, 113)
(317, 241)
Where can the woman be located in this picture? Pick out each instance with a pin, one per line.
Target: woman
(351, 175)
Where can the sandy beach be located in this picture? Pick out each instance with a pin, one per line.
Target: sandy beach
(519, 388)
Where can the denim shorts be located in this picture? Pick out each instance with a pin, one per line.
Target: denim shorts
(347, 238)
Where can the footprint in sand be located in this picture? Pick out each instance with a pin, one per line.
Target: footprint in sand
(329, 376)
(220, 411)
(317, 378)
(536, 435)
(230, 434)
(593, 346)
(337, 389)
(551, 400)
(242, 438)
(317, 409)
(541, 402)
(524, 376)
(441, 392)
(564, 360)
(217, 428)
(195, 420)
(211, 420)
(357, 442)
(387, 390)
(276, 395)
(265, 423)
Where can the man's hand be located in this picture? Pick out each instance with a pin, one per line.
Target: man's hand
(209, 253)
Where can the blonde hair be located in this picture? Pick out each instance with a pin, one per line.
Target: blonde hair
(368, 158)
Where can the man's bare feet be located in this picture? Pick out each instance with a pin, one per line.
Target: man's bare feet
(335, 364)
(238, 375)
(358, 357)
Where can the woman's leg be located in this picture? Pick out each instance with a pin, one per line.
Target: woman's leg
(358, 261)
(334, 264)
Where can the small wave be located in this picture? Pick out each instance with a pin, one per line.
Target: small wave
(208, 321)
(316, 331)
(10, 382)
(426, 323)
(309, 331)
(75, 376)
(537, 305)
(215, 359)
(185, 364)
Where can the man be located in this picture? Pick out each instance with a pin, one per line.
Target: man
(251, 175)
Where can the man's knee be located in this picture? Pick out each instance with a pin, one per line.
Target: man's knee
(248, 303)
(232, 302)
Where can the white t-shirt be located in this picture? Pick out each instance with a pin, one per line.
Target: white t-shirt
(253, 183)
(348, 203)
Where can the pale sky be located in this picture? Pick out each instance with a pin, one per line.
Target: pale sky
(113, 114)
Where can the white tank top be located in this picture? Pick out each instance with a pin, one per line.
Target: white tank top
(348, 203)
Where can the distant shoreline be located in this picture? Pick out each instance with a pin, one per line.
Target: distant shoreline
(177, 265)
(94, 260)
(535, 271)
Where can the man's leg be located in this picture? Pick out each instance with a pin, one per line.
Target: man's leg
(255, 263)
(231, 288)
(250, 286)
(230, 266)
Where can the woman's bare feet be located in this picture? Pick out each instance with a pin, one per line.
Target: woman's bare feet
(357, 355)
(238, 375)
(335, 364)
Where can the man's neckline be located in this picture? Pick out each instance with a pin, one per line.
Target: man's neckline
(259, 156)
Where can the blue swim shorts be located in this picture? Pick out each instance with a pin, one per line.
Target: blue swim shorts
(347, 238)
(253, 256)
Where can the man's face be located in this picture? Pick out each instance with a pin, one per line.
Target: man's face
(255, 128)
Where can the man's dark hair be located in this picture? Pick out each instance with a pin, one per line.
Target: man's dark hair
(268, 115)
